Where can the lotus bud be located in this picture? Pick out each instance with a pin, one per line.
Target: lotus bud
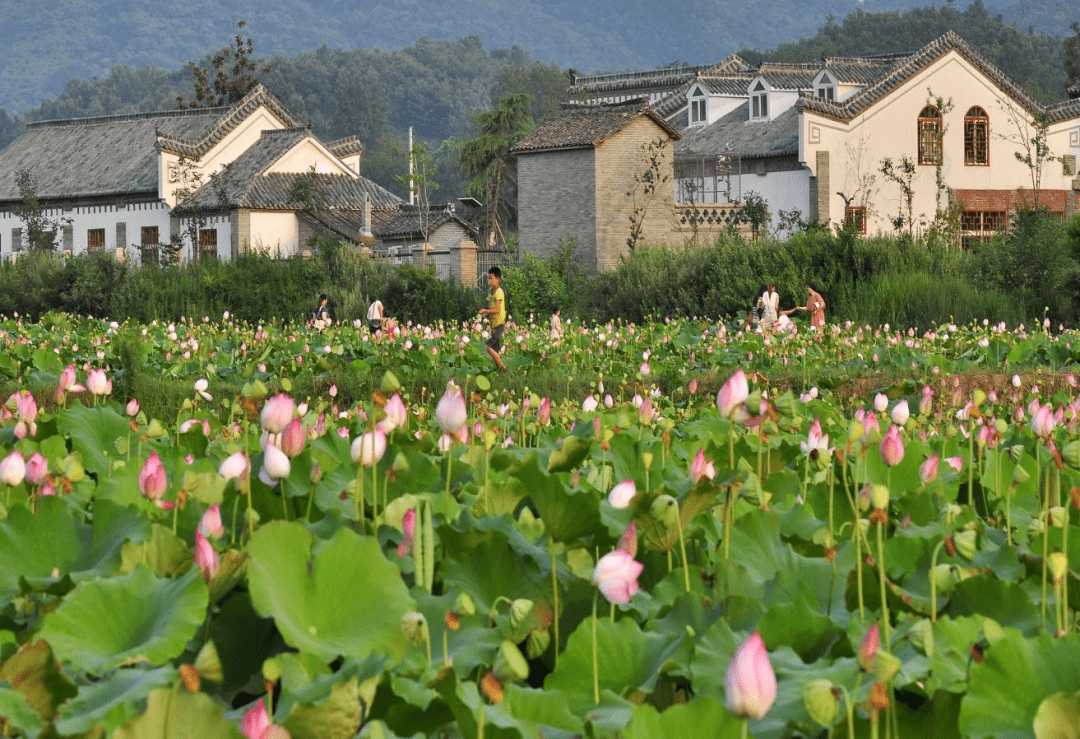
(152, 482)
(900, 413)
(922, 637)
(628, 541)
(928, 470)
(538, 642)
(37, 467)
(821, 701)
(665, 510)
(293, 438)
(414, 627)
(510, 664)
(464, 604)
(892, 447)
(966, 542)
(275, 465)
(881, 402)
(886, 666)
(622, 494)
(277, 413)
(316, 474)
(13, 469)
(520, 610)
(869, 647)
(879, 497)
(750, 683)
(206, 557)
(451, 413)
(733, 394)
(1071, 453)
(1059, 565)
(368, 448)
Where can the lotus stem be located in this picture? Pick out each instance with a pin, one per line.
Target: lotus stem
(595, 658)
(933, 581)
(682, 547)
(1045, 516)
(358, 505)
(555, 598)
(881, 572)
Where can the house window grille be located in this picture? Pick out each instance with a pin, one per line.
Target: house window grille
(149, 245)
(976, 137)
(978, 226)
(207, 243)
(929, 131)
(855, 219)
(95, 239)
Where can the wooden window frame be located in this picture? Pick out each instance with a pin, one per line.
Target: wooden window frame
(206, 249)
(149, 245)
(95, 240)
(928, 134)
(976, 138)
(979, 226)
(855, 218)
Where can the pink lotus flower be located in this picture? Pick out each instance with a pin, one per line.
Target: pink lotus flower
(206, 557)
(210, 524)
(1043, 422)
(200, 387)
(628, 541)
(733, 394)
(868, 648)
(816, 442)
(67, 382)
(621, 495)
(750, 683)
(450, 413)
(277, 413)
(928, 470)
(701, 467)
(616, 575)
(98, 383)
(957, 463)
(881, 402)
(257, 725)
(408, 528)
(367, 449)
(233, 466)
(132, 408)
(926, 402)
(36, 468)
(900, 413)
(543, 412)
(293, 438)
(590, 404)
(152, 482)
(396, 414)
(892, 447)
(275, 467)
(13, 469)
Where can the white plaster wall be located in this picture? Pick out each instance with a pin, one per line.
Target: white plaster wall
(888, 129)
(781, 190)
(307, 155)
(135, 216)
(273, 232)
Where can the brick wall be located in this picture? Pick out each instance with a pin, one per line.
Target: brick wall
(819, 198)
(1056, 201)
(557, 201)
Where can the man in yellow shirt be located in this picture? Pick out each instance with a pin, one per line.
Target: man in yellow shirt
(497, 311)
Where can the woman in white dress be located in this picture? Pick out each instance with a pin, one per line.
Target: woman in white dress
(769, 302)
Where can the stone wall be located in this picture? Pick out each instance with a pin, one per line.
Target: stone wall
(557, 201)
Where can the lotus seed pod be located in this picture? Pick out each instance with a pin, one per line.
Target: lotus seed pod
(966, 543)
(945, 577)
(879, 497)
(271, 670)
(464, 604)
(510, 664)
(414, 627)
(886, 666)
(665, 510)
(520, 610)
(978, 397)
(1057, 516)
(1001, 425)
(1059, 565)
(538, 642)
(821, 702)
(1020, 475)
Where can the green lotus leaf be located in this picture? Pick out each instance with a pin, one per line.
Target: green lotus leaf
(336, 718)
(137, 617)
(332, 598)
(1005, 602)
(174, 713)
(567, 516)
(19, 714)
(702, 716)
(627, 658)
(33, 672)
(93, 433)
(44, 546)
(1016, 675)
(541, 708)
(1058, 717)
(112, 701)
(464, 702)
(163, 551)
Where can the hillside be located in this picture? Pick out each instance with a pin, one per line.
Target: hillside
(49, 43)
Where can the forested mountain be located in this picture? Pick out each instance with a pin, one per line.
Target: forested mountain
(439, 86)
(48, 43)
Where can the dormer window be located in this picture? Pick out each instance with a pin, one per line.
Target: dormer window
(825, 87)
(698, 107)
(759, 101)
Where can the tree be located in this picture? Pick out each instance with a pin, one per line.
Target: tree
(903, 174)
(1031, 139)
(421, 182)
(648, 178)
(232, 75)
(1072, 56)
(40, 234)
(546, 84)
(486, 160)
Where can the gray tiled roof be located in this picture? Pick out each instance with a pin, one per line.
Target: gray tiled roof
(406, 224)
(88, 157)
(578, 126)
(346, 223)
(346, 146)
(775, 138)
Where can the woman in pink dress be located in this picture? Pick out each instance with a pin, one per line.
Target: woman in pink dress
(815, 304)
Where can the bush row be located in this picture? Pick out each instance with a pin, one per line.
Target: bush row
(1030, 273)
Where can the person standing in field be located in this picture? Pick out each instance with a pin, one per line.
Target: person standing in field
(375, 315)
(769, 302)
(815, 304)
(496, 311)
(556, 325)
(320, 318)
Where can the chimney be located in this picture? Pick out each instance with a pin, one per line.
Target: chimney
(366, 237)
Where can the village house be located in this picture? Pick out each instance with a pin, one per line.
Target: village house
(250, 178)
(811, 140)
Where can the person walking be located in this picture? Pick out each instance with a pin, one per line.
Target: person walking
(496, 311)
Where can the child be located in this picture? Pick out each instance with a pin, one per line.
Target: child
(497, 310)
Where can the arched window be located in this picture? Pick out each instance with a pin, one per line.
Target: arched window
(976, 137)
(929, 135)
(759, 101)
(698, 108)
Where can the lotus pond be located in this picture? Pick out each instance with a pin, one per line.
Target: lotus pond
(856, 532)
